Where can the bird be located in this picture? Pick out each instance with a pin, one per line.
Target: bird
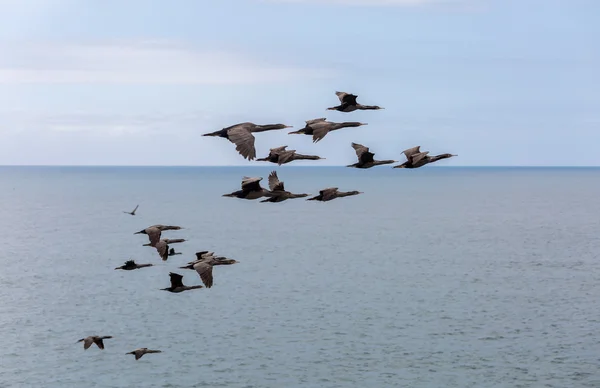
(141, 351)
(167, 241)
(155, 231)
(133, 211)
(251, 189)
(94, 339)
(241, 135)
(365, 157)
(162, 247)
(415, 158)
(131, 265)
(281, 156)
(278, 190)
(204, 266)
(332, 193)
(348, 103)
(177, 284)
(320, 127)
(173, 253)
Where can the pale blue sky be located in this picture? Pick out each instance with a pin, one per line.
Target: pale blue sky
(136, 82)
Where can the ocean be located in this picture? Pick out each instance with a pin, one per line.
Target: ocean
(434, 277)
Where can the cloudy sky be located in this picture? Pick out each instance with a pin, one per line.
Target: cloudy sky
(136, 82)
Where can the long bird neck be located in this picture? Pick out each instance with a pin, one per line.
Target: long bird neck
(306, 157)
(380, 162)
(439, 157)
(223, 262)
(345, 125)
(347, 193)
(367, 107)
(268, 127)
(298, 195)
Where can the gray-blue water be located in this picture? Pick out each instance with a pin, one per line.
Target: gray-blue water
(436, 277)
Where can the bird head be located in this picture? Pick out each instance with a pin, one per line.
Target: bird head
(300, 131)
(141, 232)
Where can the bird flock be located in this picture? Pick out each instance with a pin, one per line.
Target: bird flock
(242, 136)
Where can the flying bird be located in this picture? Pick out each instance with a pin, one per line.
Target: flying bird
(415, 158)
(155, 231)
(162, 247)
(348, 103)
(251, 189)
(133, 211)
(279, 194)
(141, 351)
(281, 156)
(94, 339)
(332, 193)
(204, 266)
(320, 127)
(131, 265)
(177, 284)
(365, 158)
(241, 136)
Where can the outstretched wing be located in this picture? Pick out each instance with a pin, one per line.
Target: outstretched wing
(346, 98)
(274, 183)
(278, 149)
(153, 235)
(163, 249)
(176, 279)
(320, 129)
(251, 184)
(416, 158)
(314, 121)
(285, 157)
(362, 152)
(205, 272)
(136, 207)
(411, 151)
(328, 193)
(243, 140)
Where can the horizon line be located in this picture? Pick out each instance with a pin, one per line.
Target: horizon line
(273, 166)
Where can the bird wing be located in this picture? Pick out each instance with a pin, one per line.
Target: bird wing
(409, 152)
(87, 342)
(274, 182)
(163, 249)
(278, 149)
(244, 142)
(136, 207)
(415, 158)
(328, 193)
(199, 254)
(153, 235)
(314, 121)
(251, 184)
(99, 343)
(205, 272)
(285, 156)
(320, 129)
(176, 279)
(363, 153)
(139, 353)
(346, 98)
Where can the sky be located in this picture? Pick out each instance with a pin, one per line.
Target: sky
(137, 82)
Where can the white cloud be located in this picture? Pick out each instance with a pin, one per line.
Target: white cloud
(141, 62)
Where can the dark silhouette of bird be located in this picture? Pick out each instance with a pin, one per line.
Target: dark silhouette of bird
(133, 211)
(318, 128)
(154, 232)
(415, 158)
(204, 266)
(177, 284)
(348, 103)
(173, 253)
(141, 351)
(279, 194)
(94, 339)
(332, 193)
(281, 156)
(241, 136)
(251, 189)
(131, 265)
(365, 158)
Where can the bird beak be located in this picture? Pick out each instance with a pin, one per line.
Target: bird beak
(289, 126)
(364, 124)
(330, 109)
(454, 155)
(138, 233)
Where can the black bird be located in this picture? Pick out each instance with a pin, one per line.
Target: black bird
(416, 158)
(131, 265)
(173, 253)
(141, 351)
(251, 189)
(94, 339)
(281, 156)
(365, 158)
(320, 127)
(349, 104)
(241, 136)
(133, 211)
(155, 231)
(177, 284)
(204, 266)
(279, 194)
(332, 193)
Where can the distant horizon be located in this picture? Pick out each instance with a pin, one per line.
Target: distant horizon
(271, 166)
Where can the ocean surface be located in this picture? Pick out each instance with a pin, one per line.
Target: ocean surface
(435, 277)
